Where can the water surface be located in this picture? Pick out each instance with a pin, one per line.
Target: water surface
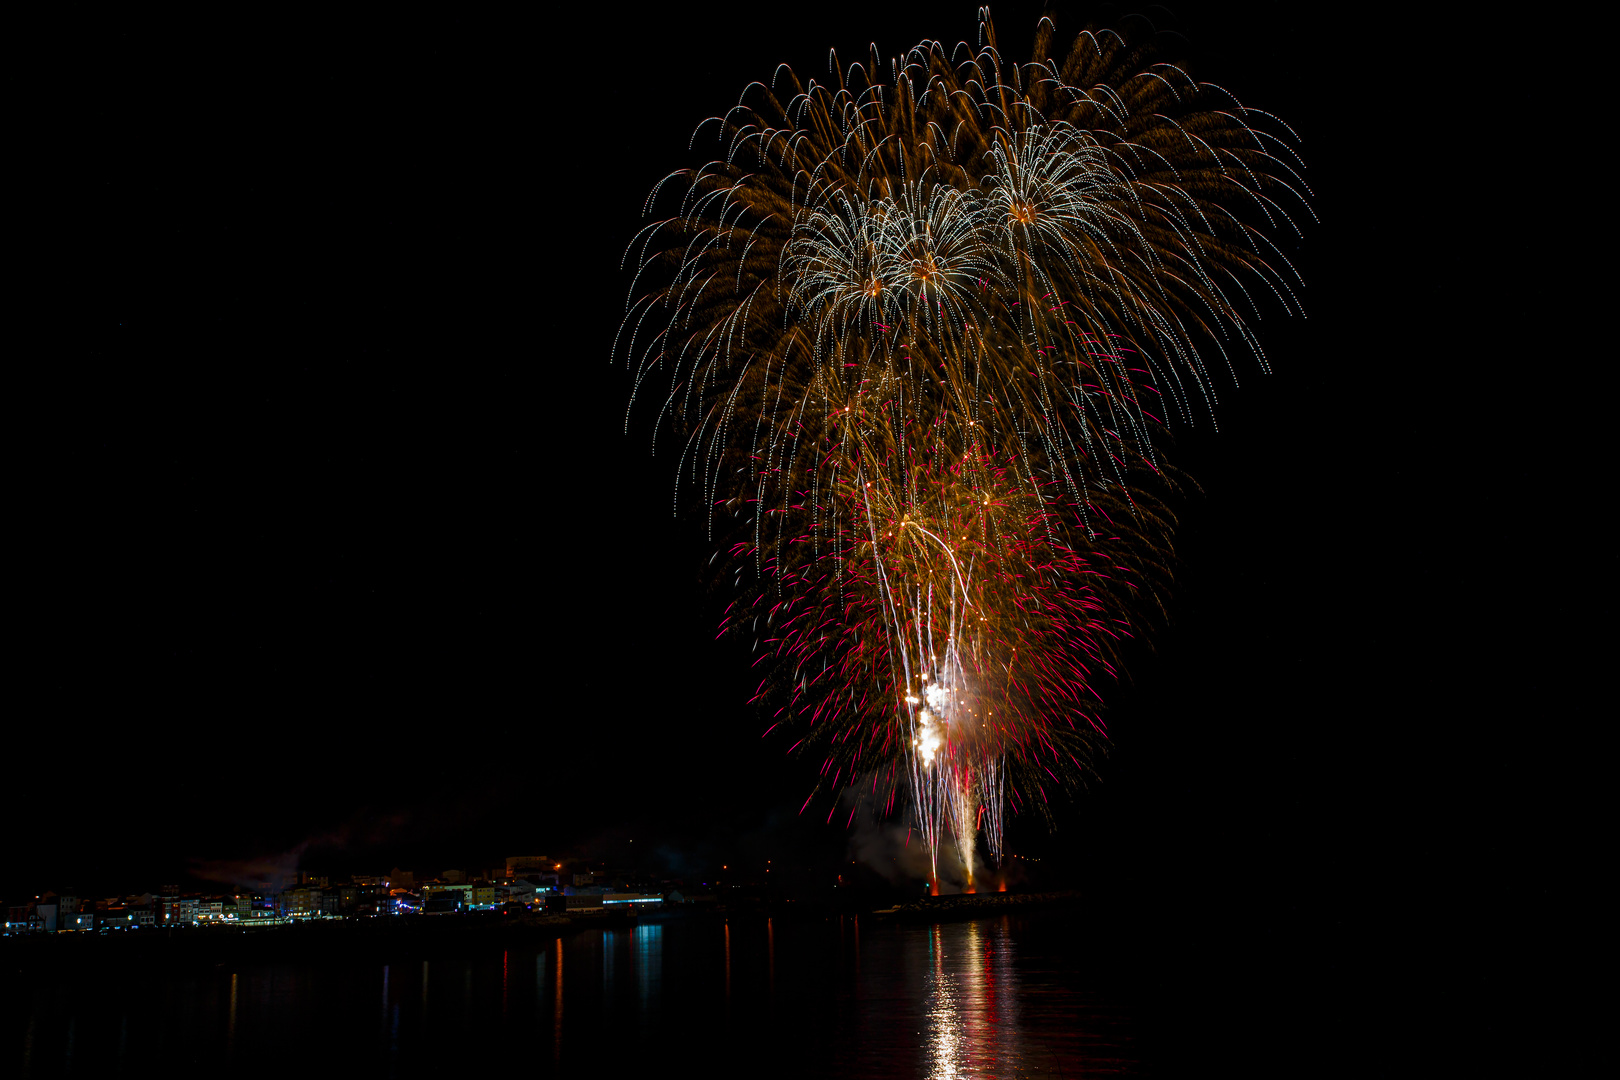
(1010, 996)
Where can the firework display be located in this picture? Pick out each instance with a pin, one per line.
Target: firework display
(917, 334)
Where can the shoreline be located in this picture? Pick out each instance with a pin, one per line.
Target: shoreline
(418, 936)
(973, 906)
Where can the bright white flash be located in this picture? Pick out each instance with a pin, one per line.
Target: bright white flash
(928, 738)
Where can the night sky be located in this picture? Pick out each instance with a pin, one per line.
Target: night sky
(334, 541)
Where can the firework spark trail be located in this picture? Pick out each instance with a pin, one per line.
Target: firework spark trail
(922, 338)
(964, 814)
(992, 798)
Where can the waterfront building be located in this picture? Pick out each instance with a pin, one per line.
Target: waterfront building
(443, 902)
(516, 891)
(462, 891)
(22, 919)
(521, 866)
(302, 902)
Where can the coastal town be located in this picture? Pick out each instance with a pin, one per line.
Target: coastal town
(526, 883)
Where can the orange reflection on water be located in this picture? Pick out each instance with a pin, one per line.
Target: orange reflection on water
(556, 1023)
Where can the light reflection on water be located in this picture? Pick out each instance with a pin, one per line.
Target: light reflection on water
(972, 1008)
(945, 1001)
(649, 945)
(944, 1019)
(812, 997)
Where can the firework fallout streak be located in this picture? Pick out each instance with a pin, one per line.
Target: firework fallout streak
(917, 334)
